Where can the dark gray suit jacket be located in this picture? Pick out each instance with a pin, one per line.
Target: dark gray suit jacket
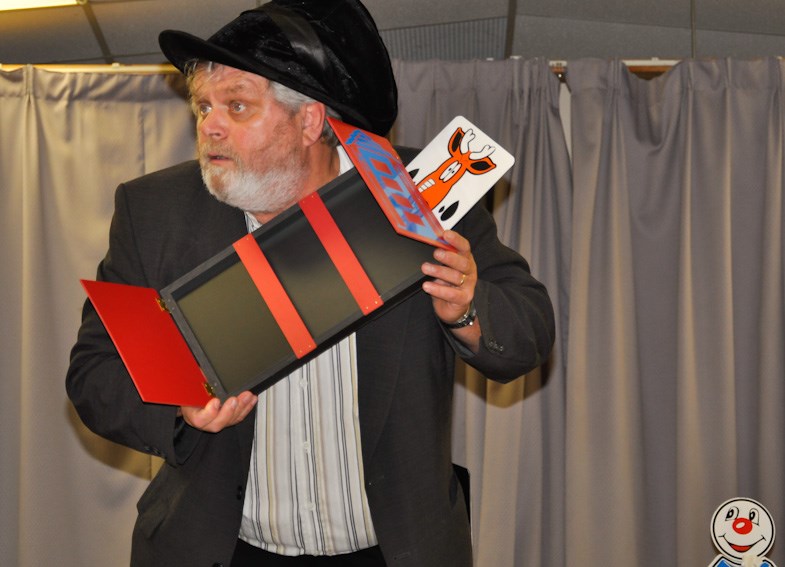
(165, 224)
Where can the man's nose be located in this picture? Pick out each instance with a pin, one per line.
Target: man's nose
(213, 125)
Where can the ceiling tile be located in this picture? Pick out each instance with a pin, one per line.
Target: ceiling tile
(50, 35)
(390, 14)
(757, 17)
(418, 29)
(731, 44)
(560, 38)
(665, 13)
(459, 40)
(131, 28)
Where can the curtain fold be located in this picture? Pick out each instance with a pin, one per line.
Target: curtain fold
(518, 504)
(676, 323)
(11, 121)
(66, 141)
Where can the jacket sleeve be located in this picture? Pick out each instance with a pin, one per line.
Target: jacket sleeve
(97, 381)
(514, 310)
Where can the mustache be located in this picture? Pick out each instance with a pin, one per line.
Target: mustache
(211, 150)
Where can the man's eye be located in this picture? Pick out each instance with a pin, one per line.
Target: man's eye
(237, 107)
(203, 109)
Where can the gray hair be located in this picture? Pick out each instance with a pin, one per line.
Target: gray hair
(294, 100)
(291, 99)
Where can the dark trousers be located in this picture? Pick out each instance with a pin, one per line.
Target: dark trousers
(246, 555)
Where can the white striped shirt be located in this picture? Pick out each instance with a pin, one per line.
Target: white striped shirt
(305, 491)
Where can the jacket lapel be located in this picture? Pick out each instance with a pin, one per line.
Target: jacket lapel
(213, 227)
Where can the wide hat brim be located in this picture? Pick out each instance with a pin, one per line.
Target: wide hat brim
(329, 50)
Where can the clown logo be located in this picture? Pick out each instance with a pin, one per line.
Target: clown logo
(743, 531)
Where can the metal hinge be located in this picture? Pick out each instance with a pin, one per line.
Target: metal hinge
(162, 304)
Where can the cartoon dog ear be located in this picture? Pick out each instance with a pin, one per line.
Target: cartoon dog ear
(455, 140)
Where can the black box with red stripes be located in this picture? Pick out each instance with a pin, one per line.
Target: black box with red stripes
(245, 333)
(282, 294)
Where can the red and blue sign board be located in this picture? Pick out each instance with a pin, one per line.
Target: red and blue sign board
(390, 183)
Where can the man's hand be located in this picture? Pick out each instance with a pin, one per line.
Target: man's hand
(216, 416)
(452, 288)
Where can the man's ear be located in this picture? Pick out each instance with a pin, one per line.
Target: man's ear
(314, 114)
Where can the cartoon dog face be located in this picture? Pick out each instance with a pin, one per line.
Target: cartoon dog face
(435, 186)
(742, 527)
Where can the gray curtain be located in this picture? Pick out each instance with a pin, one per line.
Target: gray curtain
(510, 437)
(675, 356)
(661, 244)
(67, 497)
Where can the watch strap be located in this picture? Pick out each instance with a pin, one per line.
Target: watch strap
(465, 320)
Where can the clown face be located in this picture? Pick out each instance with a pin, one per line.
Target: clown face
(742, 527)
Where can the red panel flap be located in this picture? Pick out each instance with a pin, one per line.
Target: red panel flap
(155, 353)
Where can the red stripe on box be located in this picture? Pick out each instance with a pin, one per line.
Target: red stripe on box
(341, 254)
(275, 296)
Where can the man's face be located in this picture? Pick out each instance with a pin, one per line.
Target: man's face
(250, 147)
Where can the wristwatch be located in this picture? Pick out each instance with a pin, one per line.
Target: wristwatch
(465, 320)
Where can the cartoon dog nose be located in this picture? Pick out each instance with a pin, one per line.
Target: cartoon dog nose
(742, 526)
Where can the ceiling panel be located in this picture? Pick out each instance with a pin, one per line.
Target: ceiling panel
(732, 44)
(46, 35)
(390, 14)
(132, 28)
(757, 16)
(561, 39)
(664, 13)
(419, 29)
(479, 39)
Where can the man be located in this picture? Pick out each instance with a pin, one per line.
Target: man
(347, 460)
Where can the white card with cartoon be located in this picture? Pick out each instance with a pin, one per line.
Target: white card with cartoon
(457, 168)
(742, 529)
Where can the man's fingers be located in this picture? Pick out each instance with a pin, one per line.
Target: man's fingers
(215, 416)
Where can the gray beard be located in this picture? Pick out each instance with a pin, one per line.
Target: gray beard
(269, 192)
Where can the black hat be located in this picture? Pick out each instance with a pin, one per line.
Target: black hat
(329, 50)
